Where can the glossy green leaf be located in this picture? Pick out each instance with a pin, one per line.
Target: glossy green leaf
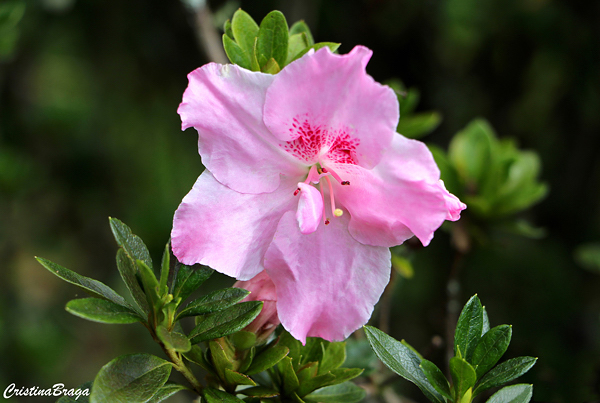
(129, 274)
(297, 43)
(244, 30)
(166, 391)
(259, 391)
(227, 29)
(520, 393)
(188, 279)
(133, 244)
(267, 359)
(149, 282)
(309, 385)
(165, 266)
(271, 67)
(345, 374)
(272, 39)
(486, 322)
(342, 393)
(419, 125)
(469, 328)
(221, 356)
(313, 350)
(91, 286)
(196, 355)
(288, 376)
(81, 394)
(402, 360)
(491, 348)
(235, 378)
(463, 376)
(103, 311)
(471, 152)
(300, 27)
(331, 45)
(174, 340)
(334, 355)
(225, 322)
(215, 301)
(505, 372)
(235, 53)
(130, 378)
(243, 340)
(307, 372)
(436, 378)
(294, 346)
(218, 396)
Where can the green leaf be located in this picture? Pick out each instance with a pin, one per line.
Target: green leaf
(588, 256)
(520, 393)
(294, 346)
(419, 125)
(235, 53)
(130, 378)
(225, 322)
(227, 29)
(471, 152)
(218, 396)
(173, 340)
(243, 340)
(259, 391)
(469, 328)
(271, 67)
(166, 391)
(402, 360)
(103, 311)
(300, 27)
(196, 355)
(80, 394)
(463, 376)
(334, 355)
(272, 39)
(345, 374)
(288, 375)
(309, 385)
(331, 45)
(133, 244)
(149, 282)
(235, 378)
(244, 30)
(297, 43)
(505, 372)
(188, 279)
(342, 393)
(220, 358)
(215, 301)
(491, 348)
(267, 359)
(91, 286)
(164, 270)
(436, 378)
(129, 274)
(486, 322)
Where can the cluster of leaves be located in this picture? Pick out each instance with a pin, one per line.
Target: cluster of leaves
(493, 177)
(473, 369)
(231, 356)
(269, 47)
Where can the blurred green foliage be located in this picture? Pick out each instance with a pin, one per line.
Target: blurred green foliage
(88, 129)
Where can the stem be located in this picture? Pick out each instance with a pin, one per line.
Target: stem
(453, 303)
(180, 366)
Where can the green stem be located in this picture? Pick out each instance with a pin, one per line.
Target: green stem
(180, 366)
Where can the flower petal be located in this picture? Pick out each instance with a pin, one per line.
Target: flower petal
(327, 283)
(334, 93)
(227, 230)
(397, 199)
(310, 208)
(224, 103)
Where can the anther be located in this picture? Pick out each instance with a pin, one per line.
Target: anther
(296, 192)
(327, 221)
(345, 183)
(338, 212)
(324, 170)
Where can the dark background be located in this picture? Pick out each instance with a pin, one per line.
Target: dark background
(89, 129)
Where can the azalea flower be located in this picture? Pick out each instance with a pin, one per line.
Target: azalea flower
(307, 179)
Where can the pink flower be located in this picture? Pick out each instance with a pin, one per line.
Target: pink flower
(305, 177)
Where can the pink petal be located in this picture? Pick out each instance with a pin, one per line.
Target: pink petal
(453, 204)
(397, 199)
(225, 105)
(227, 230)
(333, 93)
(310, 208)
(327, 283)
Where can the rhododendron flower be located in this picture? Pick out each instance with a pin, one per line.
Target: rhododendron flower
(305, 177)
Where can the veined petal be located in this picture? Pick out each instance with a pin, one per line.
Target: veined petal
(224, 103)
(310, 208)
(327, 282)
(400, 197)
(328, 93)
(227, 230)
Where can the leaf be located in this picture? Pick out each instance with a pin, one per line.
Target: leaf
(267, 359)
(287, 340)
(166, 391)
(227, 29)
(334, 356)
(218, 396)
(469, 328)
(259, 391)
(243, 340)
(165, 266)
(150, 283)
(244, 30)
(225, 322)
(91, 286)
(271, 67)
(300, 27)
(272, 39)
(235, 378)
(130, 378)
(188, 279)
(220, 358)
(128, 271)
(235, 53)
(173, 340)
(80, 394)
(520, 393)
(103, 311)
(133, 244)
(196, 355)
(297, 43)
(588, 256)
(505, 372)
(419, 125)
(436, 378)
(215, 301)
(309, 385)
(343, 393)
(402, 360)
(486, 322)
(288, 375)
(463, 376)
(491, 348)
(331, 45)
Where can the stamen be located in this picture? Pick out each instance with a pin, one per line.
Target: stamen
(327, 221)
(324, 170)
(338, 212)
(296, 192)
(334, 174)
(331, 197)
(346, 183)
